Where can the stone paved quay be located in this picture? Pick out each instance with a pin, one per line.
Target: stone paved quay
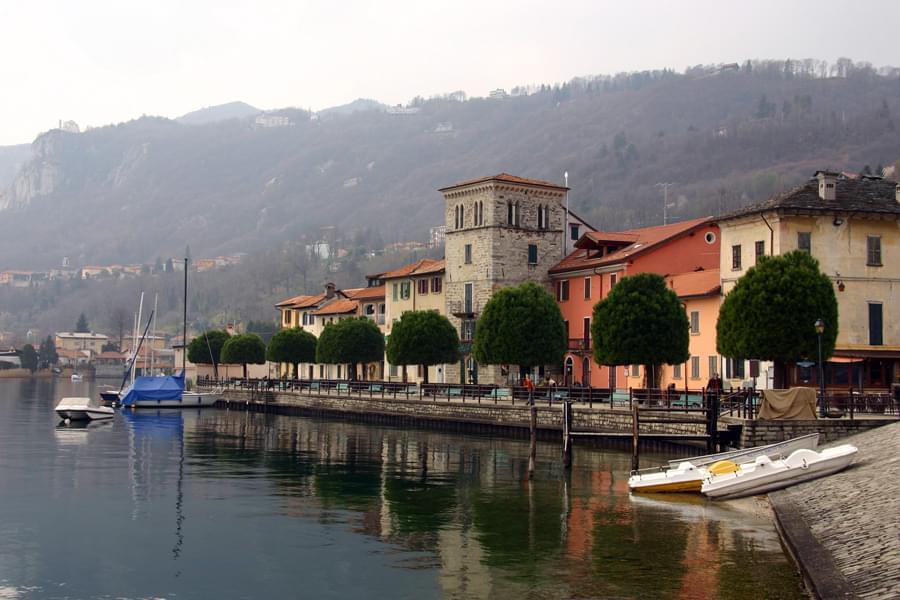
(844, 530)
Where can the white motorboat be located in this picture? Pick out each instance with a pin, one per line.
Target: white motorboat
(765, 475)
(76, 377)
(745, 455)
(79, 409)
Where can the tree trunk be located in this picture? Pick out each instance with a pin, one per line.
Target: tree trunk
(652, 376)
(425, 371)
(352, 374)
(245, 370)
(404, 373)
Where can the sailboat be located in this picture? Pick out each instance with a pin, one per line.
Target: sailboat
(168, 391)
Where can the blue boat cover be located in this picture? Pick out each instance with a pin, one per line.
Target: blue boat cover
(154, 388)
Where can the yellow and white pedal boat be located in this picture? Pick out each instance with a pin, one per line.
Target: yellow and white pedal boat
(685, 477)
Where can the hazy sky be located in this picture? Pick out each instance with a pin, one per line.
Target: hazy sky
(106, 61)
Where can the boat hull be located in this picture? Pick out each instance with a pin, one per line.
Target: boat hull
(766, 476)
(80, 409)
(187, 400)
(684, 478)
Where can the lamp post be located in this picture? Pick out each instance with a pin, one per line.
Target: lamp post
(820, 329)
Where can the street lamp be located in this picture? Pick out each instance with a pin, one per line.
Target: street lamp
(820, 329)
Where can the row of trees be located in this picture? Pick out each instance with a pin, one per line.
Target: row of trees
(419, 337)
(769, 315)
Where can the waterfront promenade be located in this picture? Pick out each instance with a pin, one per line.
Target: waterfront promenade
(844, 530)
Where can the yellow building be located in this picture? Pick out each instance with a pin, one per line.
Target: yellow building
(852, 227)
(416, 286)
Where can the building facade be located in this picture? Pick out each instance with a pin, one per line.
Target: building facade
(417, 286)
(601, 259)
(501, 230)
(851, 227)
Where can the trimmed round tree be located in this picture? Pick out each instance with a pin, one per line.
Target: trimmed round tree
(350, 341)
(422, 337)
(244, 349)
(641, 322)
(771, 312)
(292, 346)
(522, 326)
(206, 348)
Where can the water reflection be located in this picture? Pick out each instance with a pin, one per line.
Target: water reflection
(230, 504)
(465, 503)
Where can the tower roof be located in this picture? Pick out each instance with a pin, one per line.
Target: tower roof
(506, 178)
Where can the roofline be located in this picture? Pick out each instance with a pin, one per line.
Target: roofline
(647, 248)
(493, 178)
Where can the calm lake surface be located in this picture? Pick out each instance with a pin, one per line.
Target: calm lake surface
(216, 504)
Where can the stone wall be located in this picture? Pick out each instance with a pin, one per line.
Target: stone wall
(469, 414)
(756, 432)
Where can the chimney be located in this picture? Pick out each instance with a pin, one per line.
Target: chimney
(827, 184)
(329, 290)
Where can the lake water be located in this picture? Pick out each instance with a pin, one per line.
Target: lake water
(216, 504)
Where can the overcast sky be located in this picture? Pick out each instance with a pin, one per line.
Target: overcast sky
(105, 61)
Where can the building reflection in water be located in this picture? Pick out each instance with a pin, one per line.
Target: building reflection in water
(463, 507)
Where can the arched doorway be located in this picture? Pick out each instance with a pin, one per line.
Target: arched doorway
(586, 372)
(570, 365)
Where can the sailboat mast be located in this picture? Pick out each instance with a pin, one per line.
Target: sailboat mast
(134, 360)
(153, 335)
(184, 321)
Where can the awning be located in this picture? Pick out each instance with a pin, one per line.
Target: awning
(846, 359)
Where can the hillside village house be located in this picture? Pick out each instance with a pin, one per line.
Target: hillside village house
(850, 225)
(416, 286)
(686, 253)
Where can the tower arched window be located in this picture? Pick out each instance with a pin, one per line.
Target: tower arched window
(509, 213)
(456, 217)
(540, 215)
(462, 216)
(516, 214)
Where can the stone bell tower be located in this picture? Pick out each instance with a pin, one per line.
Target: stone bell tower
(501, 230)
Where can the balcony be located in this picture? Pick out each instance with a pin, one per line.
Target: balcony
(379, 319)
(462, 309)
(582, 345)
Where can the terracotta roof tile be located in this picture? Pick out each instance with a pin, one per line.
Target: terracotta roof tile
(505, 178)
(338, 307)
(640, 240)
(366, 293)
(423, 266)
(695, 283)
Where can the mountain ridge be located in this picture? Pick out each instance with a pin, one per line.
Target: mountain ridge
(724, 136)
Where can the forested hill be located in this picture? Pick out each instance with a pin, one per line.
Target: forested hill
(724, 135)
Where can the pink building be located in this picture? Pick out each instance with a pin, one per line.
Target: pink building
(601, 259)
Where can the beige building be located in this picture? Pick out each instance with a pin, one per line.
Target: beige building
(92, 342)
(501, 230)
(416, 286)
(313, 313)
(852, 227)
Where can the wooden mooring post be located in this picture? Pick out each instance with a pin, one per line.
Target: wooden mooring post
(635, 437)
(532, 454)
(567, 437)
